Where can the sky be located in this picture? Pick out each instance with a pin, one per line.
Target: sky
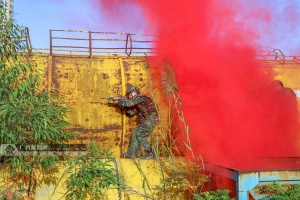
(41, 16)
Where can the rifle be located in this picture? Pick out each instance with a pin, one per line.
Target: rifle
(116, 98)
(107, 100)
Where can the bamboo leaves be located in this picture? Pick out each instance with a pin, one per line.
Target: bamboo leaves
(92, 172)
(29, 115)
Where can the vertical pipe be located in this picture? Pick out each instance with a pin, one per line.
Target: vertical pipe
(236, 179)
(123, 112)
(26, 39)
(50, 42)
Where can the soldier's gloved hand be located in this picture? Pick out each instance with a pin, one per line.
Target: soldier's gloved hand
(112, 100)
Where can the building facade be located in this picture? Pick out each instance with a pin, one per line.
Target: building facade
(9, 5)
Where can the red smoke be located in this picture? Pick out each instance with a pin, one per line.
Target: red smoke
(232, 108)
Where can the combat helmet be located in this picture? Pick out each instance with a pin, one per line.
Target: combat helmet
(133, 89)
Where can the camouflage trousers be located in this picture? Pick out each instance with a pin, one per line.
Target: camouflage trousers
(140, 134)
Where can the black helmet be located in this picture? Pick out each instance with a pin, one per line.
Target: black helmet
(133, 89)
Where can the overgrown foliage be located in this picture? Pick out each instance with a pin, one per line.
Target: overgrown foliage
(29, 115)
(176, 136)
(181, 172)
(182, 177)
(278, 191)
(10, 192)
(92, 173)
(213, 195)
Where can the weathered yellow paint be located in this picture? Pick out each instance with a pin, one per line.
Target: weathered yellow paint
(83, 82)
(49, 73)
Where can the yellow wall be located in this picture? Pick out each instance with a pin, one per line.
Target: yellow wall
(82, 82)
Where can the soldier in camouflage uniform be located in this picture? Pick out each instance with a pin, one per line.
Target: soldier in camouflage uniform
(143, 106)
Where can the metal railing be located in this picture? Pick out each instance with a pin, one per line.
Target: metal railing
(99, 43)
(27, 40)
(271, 54)
(90, 43)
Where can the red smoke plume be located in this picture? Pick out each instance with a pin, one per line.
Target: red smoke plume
(233, 109)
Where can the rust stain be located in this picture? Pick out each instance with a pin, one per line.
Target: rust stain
(55, 73)
(69, 92)
(105, 76)
(105, 128)
(128, 85)
(126, 65)
(286, 175)
(97, 138)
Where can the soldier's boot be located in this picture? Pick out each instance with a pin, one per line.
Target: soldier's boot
(149, 155)
(130, 153)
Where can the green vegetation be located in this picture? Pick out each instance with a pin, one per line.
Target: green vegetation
(213, 195)
(92, 173)
(277, 191)
(29, 115)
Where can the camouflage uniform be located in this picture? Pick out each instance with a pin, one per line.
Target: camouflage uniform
(145, 108)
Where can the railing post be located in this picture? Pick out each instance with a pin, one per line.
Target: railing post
(128, 37)
(26, 40)
(50, 42)
(90, 43)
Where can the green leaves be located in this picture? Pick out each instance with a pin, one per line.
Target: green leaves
(10, 39)
(29, 115)
(280, 191)
(213, 195)
(92, 173)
